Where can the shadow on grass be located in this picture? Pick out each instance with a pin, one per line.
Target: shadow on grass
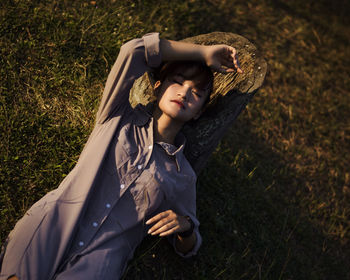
(253, 222)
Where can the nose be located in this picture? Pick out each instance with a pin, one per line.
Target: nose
(183, 93)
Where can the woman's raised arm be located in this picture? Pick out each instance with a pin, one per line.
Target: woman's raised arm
(221, 58)
(135, 58)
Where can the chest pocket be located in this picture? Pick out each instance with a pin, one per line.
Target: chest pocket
(147, 193)
(122, 152)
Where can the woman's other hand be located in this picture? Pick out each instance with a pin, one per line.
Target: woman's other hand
(167, 223)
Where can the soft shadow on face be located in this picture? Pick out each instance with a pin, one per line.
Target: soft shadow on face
(180, 98)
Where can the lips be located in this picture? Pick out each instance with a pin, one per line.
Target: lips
(179, 103)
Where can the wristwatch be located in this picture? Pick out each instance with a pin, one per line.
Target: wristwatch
(188, 232)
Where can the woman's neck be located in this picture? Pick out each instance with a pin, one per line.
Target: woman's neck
(165, 128)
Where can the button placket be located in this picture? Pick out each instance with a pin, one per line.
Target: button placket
(107, 212)
(98, 221)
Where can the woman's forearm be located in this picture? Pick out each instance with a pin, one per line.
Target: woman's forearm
(174, 50)
(221, 58)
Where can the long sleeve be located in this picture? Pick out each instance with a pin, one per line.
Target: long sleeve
(185, 205)
(135, 58)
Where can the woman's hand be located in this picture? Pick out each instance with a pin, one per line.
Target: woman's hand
(167, 223)
(222, 58)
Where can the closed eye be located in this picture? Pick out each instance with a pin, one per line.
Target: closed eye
(196, 93)
(178, 81)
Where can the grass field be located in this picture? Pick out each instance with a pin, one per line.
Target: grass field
(274, 199)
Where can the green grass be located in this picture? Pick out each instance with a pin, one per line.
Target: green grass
(274, 198)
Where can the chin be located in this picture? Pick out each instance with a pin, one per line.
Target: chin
(177, 117)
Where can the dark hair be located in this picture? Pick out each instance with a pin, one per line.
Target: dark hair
(197, 71)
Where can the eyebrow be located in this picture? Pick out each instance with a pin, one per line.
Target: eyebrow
(197, 87)
(180, 75)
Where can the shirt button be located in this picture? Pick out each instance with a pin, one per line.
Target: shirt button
(139, 166)
(94, 224)
(81, 243)
(108, 205)
(122, 186)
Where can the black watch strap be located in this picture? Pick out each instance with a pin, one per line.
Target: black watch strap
(188, 232)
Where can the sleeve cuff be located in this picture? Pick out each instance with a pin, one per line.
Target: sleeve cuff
(195, 248)
(152, 52)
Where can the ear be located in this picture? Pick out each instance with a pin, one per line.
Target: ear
(157, 85)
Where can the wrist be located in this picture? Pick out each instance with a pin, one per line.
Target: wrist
(202, 52)
(190, 230)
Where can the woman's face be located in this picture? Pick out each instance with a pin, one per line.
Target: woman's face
(180, 98)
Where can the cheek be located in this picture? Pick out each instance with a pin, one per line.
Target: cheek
(163, 97)
(198, 103)
(160, 93)
(165, 92)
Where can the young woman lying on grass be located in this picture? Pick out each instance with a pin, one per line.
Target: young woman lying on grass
(132, 178)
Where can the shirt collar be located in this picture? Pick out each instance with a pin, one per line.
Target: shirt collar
(141, 115)
(175, 151)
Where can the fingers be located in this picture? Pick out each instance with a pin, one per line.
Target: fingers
(223, 58)
(158, 217)
(233, 56)
(165, 228)
(236, 62)
(163, 221)
(220, 69)
(166, 223)
(230, 62)
(169, 232)
(225, 70)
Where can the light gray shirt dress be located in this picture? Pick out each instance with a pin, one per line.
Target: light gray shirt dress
(89, 227)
